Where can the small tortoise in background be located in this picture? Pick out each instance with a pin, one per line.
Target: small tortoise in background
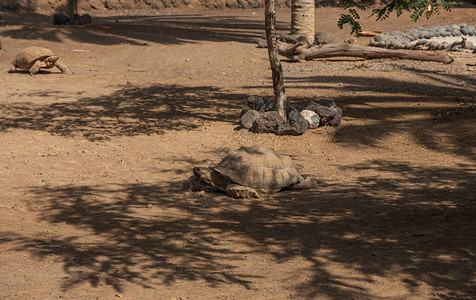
(34, 58)
(243, 172)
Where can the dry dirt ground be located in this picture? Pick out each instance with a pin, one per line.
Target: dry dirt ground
(91, 164)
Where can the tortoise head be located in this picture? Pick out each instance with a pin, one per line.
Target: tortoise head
(50, 60)
(204, 175)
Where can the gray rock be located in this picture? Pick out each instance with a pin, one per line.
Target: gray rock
(311, 117)
(422, 42)
(378, 38)
(322, 38)
(433, 45)
(469, 45)
(455, 32)
(254, 103)
(267, 122)
(397, 45)
(249, 118)
(328, 111)
(454, 26)
(294, 38)
(60, 19)
(464, 30)
(471, 30)
(426, 34)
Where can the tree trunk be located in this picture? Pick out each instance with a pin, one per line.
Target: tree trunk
(276, 68)
(302, 18)
(299, 52)
(73, 9)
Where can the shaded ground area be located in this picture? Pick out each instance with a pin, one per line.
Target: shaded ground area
(91, 166)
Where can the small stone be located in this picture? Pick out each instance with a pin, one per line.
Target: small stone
(312, 118)
(469, 45)
(249, 118)
(464, 30)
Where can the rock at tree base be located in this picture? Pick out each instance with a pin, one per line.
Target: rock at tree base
(249, 118)
(267, 122)
(296, 124)
(254, 103)
(312, 118)
(59, 19)
(329, 113)
(82, 20)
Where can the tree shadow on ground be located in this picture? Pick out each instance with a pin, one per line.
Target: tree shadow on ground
(135, 30)
(410, 223)
(129, 111)
(438, 114)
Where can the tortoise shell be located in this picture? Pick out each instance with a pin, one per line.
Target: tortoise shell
(259, 167)
(28, 56)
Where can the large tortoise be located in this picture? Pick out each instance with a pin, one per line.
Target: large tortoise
(34, 58)
(244, 172)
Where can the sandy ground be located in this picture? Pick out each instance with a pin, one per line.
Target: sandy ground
(91, 164)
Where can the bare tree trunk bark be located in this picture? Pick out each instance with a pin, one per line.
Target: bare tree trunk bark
(276, 68)
(73, 9)
(302, 51)
(302, 17)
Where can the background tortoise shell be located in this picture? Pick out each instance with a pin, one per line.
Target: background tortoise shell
(259, 167)
(27, 57)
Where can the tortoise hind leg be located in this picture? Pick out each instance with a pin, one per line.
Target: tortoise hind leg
(35, 68)
(308, 183)
(239, 191)
(62, 67)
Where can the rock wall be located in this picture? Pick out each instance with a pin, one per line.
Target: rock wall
(48, 6)
(89, 5)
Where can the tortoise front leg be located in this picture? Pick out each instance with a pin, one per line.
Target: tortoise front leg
(239, 191)
(62, 67)
(35, 68)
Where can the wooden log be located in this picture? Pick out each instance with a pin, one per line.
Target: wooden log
(302, 51)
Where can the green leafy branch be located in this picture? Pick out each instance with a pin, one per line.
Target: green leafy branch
(418, 8)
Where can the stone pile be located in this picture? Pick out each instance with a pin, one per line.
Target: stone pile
(257, 117)
(433, 38)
